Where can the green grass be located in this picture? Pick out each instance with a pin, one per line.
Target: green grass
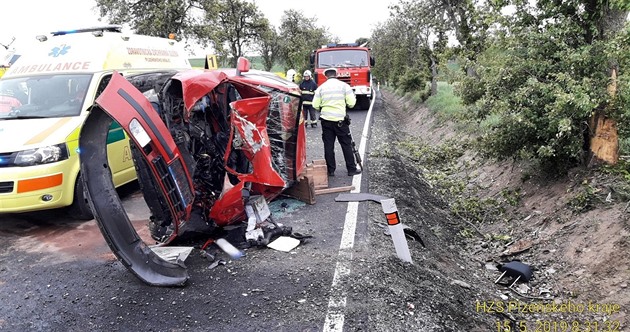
(445, 103)
(624, 146)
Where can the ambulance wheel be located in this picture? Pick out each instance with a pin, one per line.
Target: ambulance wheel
(80, 208)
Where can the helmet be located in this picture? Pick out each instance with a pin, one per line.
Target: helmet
(330, 72)
(307, 73)
(291, 75)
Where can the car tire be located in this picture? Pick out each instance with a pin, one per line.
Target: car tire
(80, 208)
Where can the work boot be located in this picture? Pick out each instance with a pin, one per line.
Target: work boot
(354, 172)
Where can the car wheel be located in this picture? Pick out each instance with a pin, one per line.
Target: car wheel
(80, 208)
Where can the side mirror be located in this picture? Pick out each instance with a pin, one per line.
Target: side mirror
(371, 60)
(312, 59)
(242, 65)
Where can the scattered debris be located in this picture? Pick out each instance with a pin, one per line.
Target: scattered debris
(172, 254)
(229, 249)
(460, 283)
(411, 233)
(545, 292)
(516, 270)
(284, 243)
(283, 206)
(216, 263)
(522, 289)
(206, 255)
(491, 266)
(518, 247)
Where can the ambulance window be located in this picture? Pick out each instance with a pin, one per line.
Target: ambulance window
(52, 95)
(12, 96)
(15, 88)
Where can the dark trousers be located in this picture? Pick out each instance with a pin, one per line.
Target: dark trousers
(341, 131)
(309, 110)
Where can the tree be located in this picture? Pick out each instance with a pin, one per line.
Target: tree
(391, 48)
(233, 26)
(299, 37)
(269, 47)
(363, 41)
(426, 29)
(153, 17)
(545, 83)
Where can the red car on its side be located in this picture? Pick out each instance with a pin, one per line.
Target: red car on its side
(210, 151)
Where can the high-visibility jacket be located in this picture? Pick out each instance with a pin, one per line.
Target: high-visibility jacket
(332, 97)
(308, 88)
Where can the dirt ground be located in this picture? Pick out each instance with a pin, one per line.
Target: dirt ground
(579, 261)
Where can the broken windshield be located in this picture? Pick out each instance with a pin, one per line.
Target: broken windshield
(46, 96)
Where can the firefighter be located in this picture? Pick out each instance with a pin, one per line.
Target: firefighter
(332, 98)
(291, 75)
(308, 88)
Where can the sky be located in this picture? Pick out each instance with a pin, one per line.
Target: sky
(24, 19)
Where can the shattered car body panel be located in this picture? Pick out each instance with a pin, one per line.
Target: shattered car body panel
(215, 140)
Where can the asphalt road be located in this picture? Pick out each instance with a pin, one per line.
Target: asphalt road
(57, 274)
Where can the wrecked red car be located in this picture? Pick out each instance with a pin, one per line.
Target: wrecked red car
(210, 149)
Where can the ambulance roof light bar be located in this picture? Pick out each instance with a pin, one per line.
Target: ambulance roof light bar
(109, 28)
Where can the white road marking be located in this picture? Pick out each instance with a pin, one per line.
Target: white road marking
(335, 316)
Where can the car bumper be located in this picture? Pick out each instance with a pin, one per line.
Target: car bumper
(40, 187)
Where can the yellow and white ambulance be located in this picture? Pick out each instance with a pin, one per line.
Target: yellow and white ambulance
(45, 97)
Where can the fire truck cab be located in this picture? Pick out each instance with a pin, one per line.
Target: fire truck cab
(353, 63)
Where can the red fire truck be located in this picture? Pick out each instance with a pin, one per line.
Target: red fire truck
(353, 64)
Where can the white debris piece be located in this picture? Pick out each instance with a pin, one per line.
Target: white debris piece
(172, 254)
(284, 243)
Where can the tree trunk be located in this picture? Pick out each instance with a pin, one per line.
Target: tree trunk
(434, 74)
(604, 141)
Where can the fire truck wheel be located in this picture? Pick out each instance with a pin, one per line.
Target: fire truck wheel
(363, 103)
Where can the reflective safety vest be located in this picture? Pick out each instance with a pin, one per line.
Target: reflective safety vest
(332, 97)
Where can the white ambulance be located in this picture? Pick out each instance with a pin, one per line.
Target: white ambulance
(45, 97)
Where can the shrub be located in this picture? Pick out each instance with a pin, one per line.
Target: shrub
(413, 80)
(470, 89)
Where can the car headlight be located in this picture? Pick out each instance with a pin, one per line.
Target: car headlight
(138, 132)
(43, 155)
